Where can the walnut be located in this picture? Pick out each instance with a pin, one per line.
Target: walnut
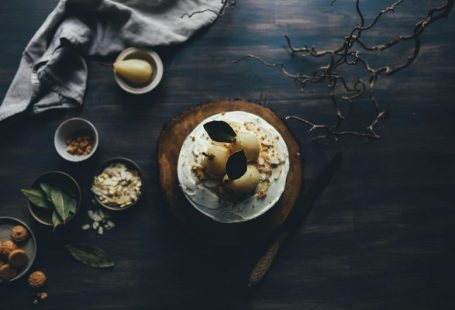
(19, 233)
(7, 247)
(7, 272)
(80, 145)
(18, 258)
(37, 279)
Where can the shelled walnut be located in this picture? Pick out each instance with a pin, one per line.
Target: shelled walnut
(79, 145)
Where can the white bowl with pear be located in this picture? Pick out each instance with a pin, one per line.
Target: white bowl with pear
(233, 167)
(138, 70)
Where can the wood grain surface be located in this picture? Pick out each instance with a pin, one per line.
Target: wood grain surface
(248, 234)
(382, 234)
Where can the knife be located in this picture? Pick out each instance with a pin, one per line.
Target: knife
(295, 219)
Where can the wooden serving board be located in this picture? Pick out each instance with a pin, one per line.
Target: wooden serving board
(201, 226)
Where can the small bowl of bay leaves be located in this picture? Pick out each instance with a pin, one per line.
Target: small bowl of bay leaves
(54, 198)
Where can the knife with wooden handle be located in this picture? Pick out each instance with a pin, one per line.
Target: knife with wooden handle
(295, 219)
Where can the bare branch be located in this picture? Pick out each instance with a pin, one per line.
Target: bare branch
(225, 5)
(347, 54)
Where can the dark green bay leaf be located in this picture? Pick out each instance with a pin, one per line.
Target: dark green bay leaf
(90, 255)
(236, 165)
(220, 131)
(71, 202)
(46, 188)
(68, 198)
(36, 197)
(56, 220)
(60, 203)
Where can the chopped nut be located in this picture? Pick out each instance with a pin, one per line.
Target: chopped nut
(95, 225)
(39, 297)
(117, 186)
(79, 145)
(110, 225)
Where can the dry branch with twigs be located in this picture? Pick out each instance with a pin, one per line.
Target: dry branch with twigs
(349, 53)
(225, 5)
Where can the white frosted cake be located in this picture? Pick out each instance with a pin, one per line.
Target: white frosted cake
(238, 178)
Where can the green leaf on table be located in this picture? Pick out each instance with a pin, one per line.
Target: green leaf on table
(220, 131)
(236, 165)
(36, 197)
(90, 255)
(56, 220)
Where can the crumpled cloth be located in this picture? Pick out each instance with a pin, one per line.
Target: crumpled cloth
(53, 71)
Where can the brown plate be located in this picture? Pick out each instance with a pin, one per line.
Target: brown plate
(200, 226)
(29, 246)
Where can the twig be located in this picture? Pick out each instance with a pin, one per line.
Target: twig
(225, 5)
(349, 54)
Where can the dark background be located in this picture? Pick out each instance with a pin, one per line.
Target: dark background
(381, 236)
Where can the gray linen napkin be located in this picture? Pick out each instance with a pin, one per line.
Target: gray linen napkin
(53, 73)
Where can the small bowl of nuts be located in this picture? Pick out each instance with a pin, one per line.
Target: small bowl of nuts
(76, 139)
(118, 184)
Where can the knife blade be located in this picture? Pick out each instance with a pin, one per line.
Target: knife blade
(295, 219)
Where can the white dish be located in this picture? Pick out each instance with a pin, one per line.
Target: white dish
(204, 199)
(66, 130)
(144, 54)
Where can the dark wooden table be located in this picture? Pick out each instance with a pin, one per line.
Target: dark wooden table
(381, 236)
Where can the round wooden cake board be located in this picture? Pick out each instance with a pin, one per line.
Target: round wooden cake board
(200, 226)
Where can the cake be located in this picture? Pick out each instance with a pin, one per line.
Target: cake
(233, 166)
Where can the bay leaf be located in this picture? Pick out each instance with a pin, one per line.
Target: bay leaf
(90, 255)
(68, 198)
(60, 203)
(56, 220)
(220, 131)
(46, 188)
(236, 165)
(37, 197)
(71, 202)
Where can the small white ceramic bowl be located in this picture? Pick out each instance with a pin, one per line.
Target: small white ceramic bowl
(143, 54)
(66, 130)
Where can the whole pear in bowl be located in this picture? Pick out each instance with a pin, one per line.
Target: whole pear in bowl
(134, 70)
